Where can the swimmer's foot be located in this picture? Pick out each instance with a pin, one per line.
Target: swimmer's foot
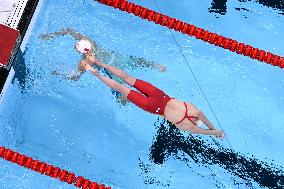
(219, 134)
(122, 100)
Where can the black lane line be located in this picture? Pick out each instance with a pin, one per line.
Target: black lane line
(220, 6)
(170, 143)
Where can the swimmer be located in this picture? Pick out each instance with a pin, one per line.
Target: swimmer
(183, 115)
(89, 48)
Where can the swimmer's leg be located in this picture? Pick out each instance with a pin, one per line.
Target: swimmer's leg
(114, 92)
(120, 73)
(136, 98)
(111, 83)
(143, 86)
(120, 98)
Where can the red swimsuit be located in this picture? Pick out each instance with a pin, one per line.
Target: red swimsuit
(152, 99)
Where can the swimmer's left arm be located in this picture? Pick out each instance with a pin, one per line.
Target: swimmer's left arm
(73, 76)
(63, 32)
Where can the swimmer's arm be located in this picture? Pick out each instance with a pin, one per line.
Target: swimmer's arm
(206, 121)
(63, 32)
(74, 76)
(142, 62)
(80, 70)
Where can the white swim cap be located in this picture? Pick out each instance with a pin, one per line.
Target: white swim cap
(83, 46)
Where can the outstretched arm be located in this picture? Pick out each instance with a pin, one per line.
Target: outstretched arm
(63, 32)
(75, 75)
(142, 62)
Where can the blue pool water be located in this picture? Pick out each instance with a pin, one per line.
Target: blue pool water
(80, 126)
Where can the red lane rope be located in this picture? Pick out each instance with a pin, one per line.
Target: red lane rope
(199, 33)
(49, 170)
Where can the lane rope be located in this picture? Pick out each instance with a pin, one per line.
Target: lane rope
(199, 33)
(49, 170)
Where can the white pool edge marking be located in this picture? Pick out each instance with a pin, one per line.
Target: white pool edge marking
(15, 16)
(6, 13)
(22, 47)
(7, 83)
(31, 25)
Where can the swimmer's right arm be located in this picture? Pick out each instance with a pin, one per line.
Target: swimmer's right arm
(73, 76)
(63, 32)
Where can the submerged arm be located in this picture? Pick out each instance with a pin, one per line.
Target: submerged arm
(73, 76)
(63, 32)
(142, 62)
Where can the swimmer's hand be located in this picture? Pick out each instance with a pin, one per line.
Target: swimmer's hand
(46, 36)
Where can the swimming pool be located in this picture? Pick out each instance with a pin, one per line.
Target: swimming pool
(80, 126)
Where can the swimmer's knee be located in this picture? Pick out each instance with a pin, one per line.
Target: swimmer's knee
(128, 79)
(123, 75)
(122, 89)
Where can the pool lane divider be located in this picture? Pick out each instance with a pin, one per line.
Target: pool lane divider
(199, 33)
(49, 170)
